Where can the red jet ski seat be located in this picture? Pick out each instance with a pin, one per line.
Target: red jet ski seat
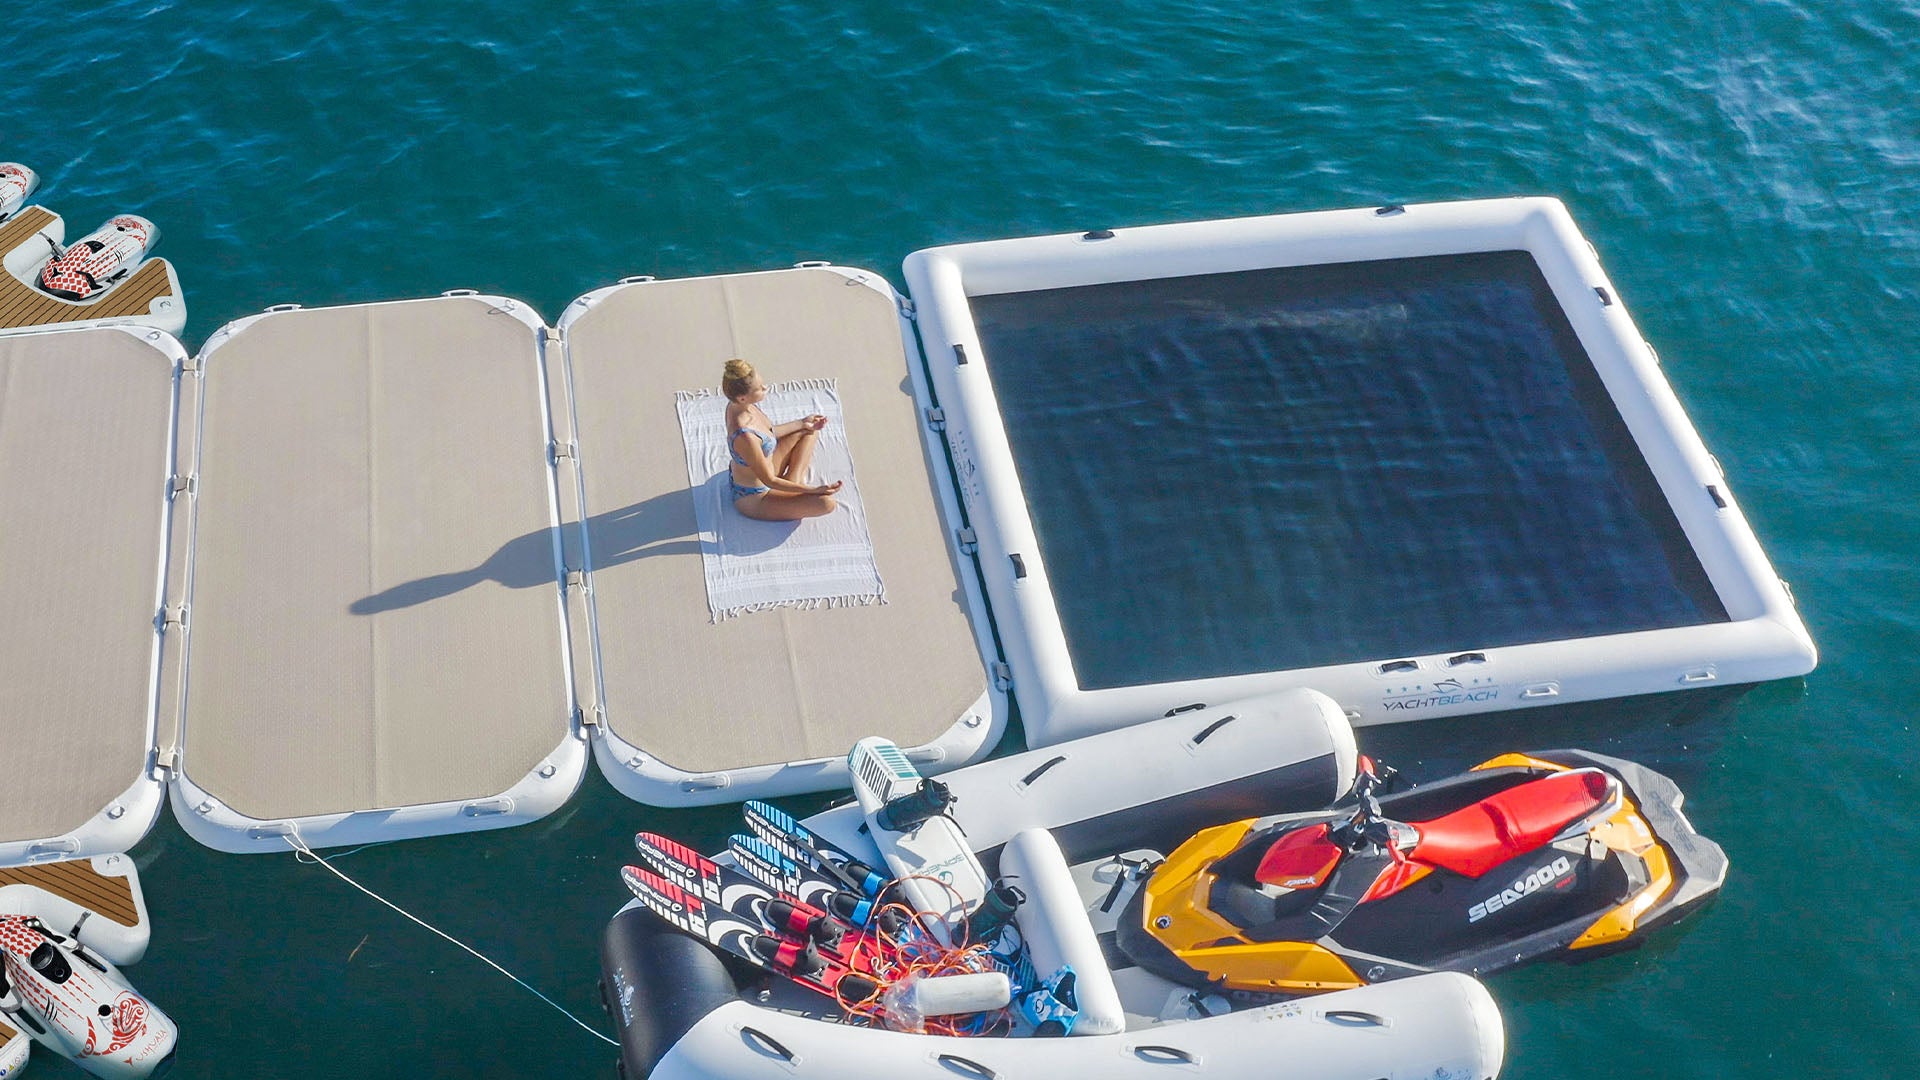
(1477, 838)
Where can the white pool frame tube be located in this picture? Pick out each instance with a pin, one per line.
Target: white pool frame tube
(1763, 639)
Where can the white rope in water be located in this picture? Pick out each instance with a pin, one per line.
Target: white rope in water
(303, 853)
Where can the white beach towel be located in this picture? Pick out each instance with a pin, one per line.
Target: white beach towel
(756, 565)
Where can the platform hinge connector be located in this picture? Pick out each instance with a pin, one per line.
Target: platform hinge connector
(190, 366)
(168, 759)
(576, 581)
(937, 418)
(178, 485)
(1002, 676)
(969, 540)
(556, 450)
(907, 308)
(171, 617)
(555, 335)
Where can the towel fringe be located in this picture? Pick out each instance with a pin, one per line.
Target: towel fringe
(810, 604)
(801, 384)
(829, 385)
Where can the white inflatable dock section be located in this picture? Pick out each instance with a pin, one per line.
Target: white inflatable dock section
(689, 710)
(369, 573)
(1763, 639)
(375, 639)
(86, 438)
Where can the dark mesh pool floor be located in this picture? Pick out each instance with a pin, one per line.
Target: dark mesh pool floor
(1277, 469)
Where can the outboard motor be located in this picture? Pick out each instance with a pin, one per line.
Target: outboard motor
(79, 1005)
(91, 265)
(16, 184)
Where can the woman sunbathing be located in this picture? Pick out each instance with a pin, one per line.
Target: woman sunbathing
(770, 460)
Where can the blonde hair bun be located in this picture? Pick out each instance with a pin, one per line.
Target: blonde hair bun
(735, 377)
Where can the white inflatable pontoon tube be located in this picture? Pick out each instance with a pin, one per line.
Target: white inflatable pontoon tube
(1053, 923)
(1444, 1024)
(1282, 751)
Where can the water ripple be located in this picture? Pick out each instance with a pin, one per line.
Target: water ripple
(1749, 172)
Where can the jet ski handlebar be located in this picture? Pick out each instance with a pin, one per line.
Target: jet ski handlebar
(1366, 827)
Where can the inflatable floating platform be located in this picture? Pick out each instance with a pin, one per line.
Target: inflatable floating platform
(390, 570)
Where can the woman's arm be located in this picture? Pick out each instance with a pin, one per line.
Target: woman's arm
(763, 471)
(808, 423)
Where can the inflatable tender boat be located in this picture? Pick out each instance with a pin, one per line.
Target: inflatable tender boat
(1068, 831)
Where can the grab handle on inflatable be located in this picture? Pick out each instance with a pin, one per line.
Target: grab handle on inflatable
(1166, 1055)
(1207, 732)
(763, 1041)
(1027, 780)
(1354, 1018)
(967, 1066)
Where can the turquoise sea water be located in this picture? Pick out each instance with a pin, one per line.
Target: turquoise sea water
(1749, 172)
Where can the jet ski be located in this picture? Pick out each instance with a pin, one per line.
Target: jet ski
(92, 264)
(1562, 852)
(76, 1002)
(17, 182)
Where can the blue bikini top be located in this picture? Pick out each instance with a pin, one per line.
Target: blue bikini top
(767, 443)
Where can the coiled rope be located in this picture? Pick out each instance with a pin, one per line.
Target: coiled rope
(918, 954)
(303, 853)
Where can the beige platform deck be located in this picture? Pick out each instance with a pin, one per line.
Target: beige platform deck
(375, 600)
(21, 305)
(782, 685)
(83, 465)
(370, 612)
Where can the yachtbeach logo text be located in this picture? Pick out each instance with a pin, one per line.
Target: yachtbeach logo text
(1442, 693)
